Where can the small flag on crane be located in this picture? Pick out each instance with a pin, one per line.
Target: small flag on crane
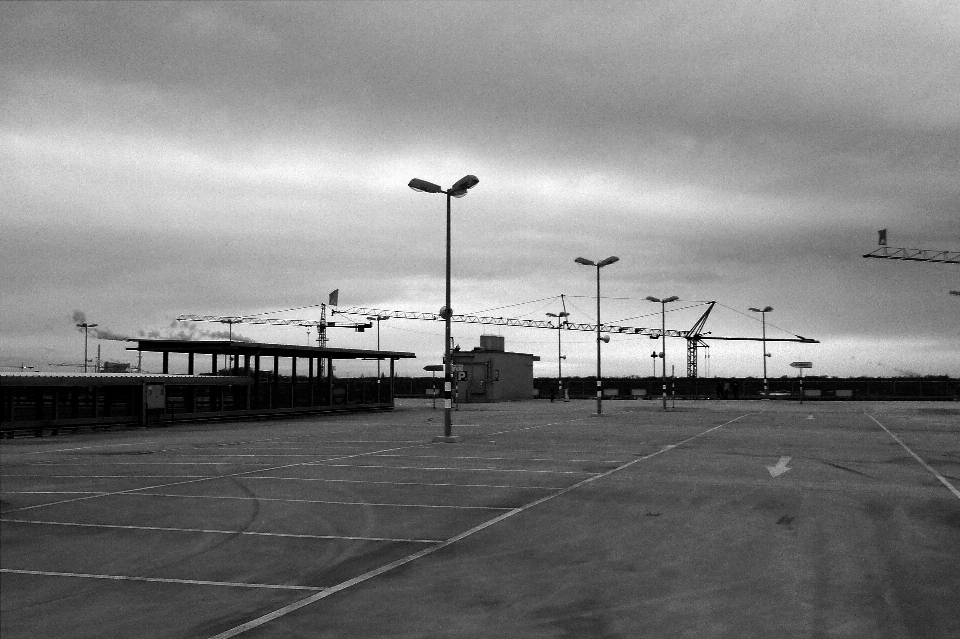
(334, 297)
(882, 240)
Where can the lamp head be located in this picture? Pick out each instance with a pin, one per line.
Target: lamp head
(609, 260)
(651, 298)
(605, 339)
(464, 184)
(672, 298)
(585, 261)
(423, 186)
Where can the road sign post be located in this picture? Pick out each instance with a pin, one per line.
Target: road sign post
(801, 366)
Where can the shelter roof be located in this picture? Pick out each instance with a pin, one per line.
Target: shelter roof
(233, 347)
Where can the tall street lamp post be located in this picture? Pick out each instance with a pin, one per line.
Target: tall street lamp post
(663, 332)
(599, 265)
(561, 320)
(763, 316)
(86, 332)
(459, 189)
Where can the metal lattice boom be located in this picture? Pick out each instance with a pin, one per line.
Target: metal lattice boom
(916, 255)
(507, 321)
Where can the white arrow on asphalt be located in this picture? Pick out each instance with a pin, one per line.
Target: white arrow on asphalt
(780, 468)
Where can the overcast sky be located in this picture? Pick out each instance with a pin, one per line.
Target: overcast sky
(238, 158)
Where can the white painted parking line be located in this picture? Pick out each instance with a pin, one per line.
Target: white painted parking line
(51, 492)
(32, 475)
(404, 483)
(516, 459)
(943, 480)
(99, 462)
(216, 532)
(196, 582)
(66, 450)
(259, 621)
(449, 468)
(304, 501)
(192, 481)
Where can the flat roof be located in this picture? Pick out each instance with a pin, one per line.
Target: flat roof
(233, 347)
(117, 379)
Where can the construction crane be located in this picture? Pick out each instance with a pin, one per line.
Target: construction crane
(916, 255)
(695, 336)
(321, 324)
(507, 321)
(911, 254)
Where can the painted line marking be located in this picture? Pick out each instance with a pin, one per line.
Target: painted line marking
(248, 477)
(65, 450)
(280, 612)
(279, 499)
(98, 463)
(780, 467)
(217, 532)
(535, 459)
(32, 475)
(192, 481)
(406, 483)
(943, 480)
(195, 582)
(454, 468)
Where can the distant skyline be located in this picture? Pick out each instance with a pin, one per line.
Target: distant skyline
(163, 158)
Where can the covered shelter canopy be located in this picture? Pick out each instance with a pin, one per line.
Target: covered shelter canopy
(233, 347)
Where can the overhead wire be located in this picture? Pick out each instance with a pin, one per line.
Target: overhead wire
(754, 318)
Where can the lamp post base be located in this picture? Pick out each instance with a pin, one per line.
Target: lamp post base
(443, 439)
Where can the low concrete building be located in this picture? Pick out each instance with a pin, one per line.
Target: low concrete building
(490, 374)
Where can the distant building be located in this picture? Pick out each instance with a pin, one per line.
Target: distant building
(115, 367)
(490, 374)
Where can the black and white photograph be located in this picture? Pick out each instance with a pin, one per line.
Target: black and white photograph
(462, 318)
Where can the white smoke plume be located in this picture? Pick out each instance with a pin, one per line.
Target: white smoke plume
(189, 331)
(79, 317)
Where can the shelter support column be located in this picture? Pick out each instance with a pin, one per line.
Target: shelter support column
(256, 379)
(310, 379)
(293, 382)
(392, 362)
(330, 381)
(275, 386)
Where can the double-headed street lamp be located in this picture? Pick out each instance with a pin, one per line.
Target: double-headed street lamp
(763, 316)
(599, 265)
(459, 189)
(663, 332)
(86, 332)
(561, 320)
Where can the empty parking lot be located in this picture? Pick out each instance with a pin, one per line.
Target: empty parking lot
(717, 519)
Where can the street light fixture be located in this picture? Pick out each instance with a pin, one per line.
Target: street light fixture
(561, 320)
(86, 331)
(763, 316)
(663, 332)
(459, 189)
(599, 265)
